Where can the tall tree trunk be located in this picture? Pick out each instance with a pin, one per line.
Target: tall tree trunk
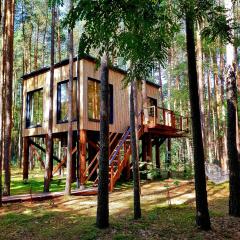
(169, 80)
(223, 114)
(8, 71)
(102, 219)
(59, 36)
(44, 38)
(1, 102)
(200, 80)
(209, 129)
(216, 109)
(145, 103)
(49, 147)
(70, 110)
(134, 148)
(160, 85)
(202, 216)
(36, 47)
(234, 167)
(30, 49)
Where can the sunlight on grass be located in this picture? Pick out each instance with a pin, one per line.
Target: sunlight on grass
(74, 217)
(34, 183)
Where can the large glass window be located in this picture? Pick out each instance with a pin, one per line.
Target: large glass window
(62, 101)
(94, 100)
(34, 115)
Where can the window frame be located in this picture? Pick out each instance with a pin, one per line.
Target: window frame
(59, 121)
(28, 124)
(111, 101)
(156, 105)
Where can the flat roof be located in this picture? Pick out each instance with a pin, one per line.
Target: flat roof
(66, 62)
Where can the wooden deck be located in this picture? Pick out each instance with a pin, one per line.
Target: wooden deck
(162, 122)
(46, 196)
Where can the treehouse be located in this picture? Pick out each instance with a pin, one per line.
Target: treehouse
(156, 124)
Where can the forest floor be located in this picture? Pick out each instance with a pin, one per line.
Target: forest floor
(165, 215)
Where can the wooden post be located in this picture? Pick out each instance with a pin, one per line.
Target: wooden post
(25, 157)
(144, 149)
(111, 179)
(157, 155)
(169, 174)
(74, 162)
(149, 147)
(83, 153)
(51, 158)
(91, 154)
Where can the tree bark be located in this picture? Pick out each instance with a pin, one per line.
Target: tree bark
(200, 80)
(49, 147)
(70, 110)
(160, 85)
(102, 219)
(234, 165)
(145, 105)
(169, 158)
(135, 160)
(234, 168)
(8, 71)
(1, 103)
(202, 216)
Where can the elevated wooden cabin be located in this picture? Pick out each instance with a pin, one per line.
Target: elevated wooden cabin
(155, 123)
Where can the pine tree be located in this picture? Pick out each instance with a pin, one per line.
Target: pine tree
(70, 111)
(202, 216)
(49, 137)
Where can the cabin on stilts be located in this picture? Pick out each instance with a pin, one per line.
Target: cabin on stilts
(156, 124)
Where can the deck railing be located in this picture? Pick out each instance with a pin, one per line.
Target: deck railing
(160, 116)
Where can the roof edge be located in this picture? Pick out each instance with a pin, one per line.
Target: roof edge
(66, 61)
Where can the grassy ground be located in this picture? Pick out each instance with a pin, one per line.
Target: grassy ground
(35, 182)
(74, 217)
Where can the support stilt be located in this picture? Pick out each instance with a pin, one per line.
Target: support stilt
(149, 147)
(25, 157)
(157, 154)
(144, 149)
(74, 162)
(169, 174)
(91, 154)
(83, 153)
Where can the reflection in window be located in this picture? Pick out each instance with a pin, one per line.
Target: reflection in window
(62, 101)
(94, 101)
(34, 115)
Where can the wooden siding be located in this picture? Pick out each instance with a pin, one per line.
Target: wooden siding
(87, 70)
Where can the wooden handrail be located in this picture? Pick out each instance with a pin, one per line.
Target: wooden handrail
(169, 118)
(121, 142)
(95, 159)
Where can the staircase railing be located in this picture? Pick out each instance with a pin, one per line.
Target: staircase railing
(118, 161)
(92, 167)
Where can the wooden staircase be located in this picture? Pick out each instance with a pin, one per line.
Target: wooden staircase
(93, 166)
(119, 159)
